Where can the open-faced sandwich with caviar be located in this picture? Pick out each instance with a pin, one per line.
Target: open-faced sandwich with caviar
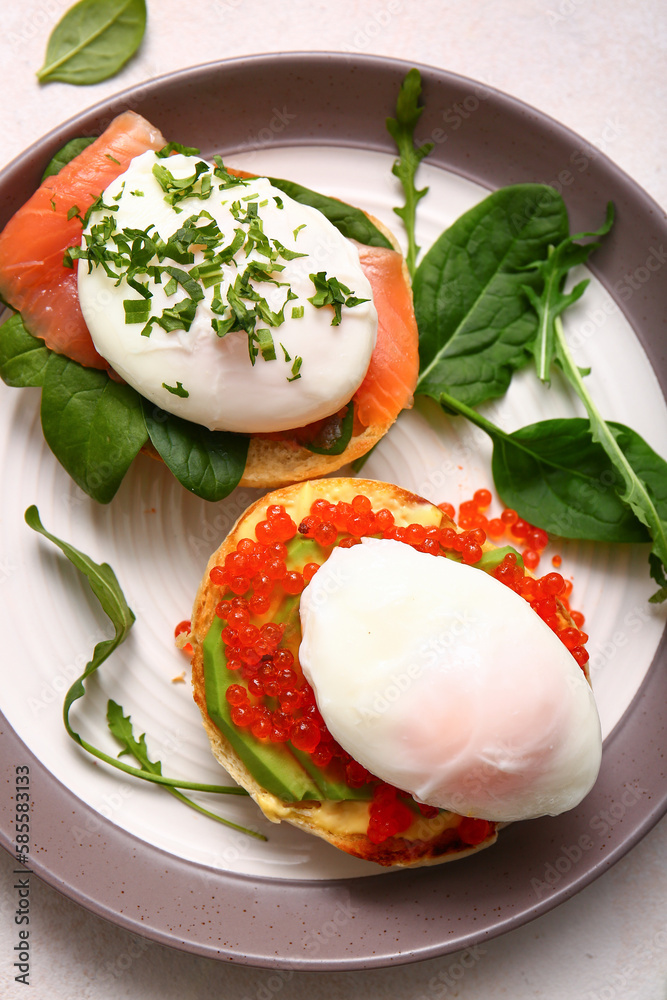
(237, 331)
(386, 681)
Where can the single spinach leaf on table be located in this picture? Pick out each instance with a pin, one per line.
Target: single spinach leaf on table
(475, 321)
(65, 154)
(558, 477)
(93, 40)
(349, 221)
(208, 463)
(93, 425)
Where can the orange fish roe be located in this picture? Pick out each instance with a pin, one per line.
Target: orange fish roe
(259, 581)
(184, 626)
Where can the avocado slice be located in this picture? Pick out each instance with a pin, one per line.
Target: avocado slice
(272, 765)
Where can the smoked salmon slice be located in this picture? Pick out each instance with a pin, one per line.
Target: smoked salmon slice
(392, 373)
(33, 278)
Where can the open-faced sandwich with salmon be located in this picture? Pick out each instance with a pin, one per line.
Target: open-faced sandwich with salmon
(202, 314)
(386, 681)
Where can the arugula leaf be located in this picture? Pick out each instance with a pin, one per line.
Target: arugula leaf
(93, 40)
(335, 435)
(107, 590)
(401, 129)
(558, 477)
(643, 490)
(208, 463)
(553, 301)
(93, 425)
(67, 153)
(349, 221)
(475, 320)
(120, 726)
(23, 358)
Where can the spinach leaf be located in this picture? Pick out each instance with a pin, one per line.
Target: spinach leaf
(401, 129)
(208, 463)
(335, 436)
(93, 40)
(475, 320)
(93, 425)
(558, 477)
(553, 300)
(23, 358)
(120, 726)
(350, 221)
(106, 588)
(67, 153)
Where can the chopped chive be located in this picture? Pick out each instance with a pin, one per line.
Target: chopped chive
(296, 367)
(266, 345)
(176, 390)
(287, 356)
(136, 310)
(298, 229)
(297, 312)
(278, 201)
(137, 194)
(112, 158)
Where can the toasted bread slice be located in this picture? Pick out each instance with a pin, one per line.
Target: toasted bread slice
(342, 823)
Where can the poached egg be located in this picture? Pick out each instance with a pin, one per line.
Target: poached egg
(445, 683)
(284, 362)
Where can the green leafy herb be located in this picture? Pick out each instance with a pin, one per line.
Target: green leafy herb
(120, 726)
(552, 301)
(351, 222)
(644, 490)
(136, 310)
(177, 147)
(67, 153)
(335, 435)
(176, 390)
(93, 40)
(297, 312)
(332, 292)
(196, 185)
(107, 590)
(401, 129)
(208, 463)
(476, 324)
(296, 369)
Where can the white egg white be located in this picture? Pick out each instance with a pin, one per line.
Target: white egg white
(445, 683)
(220, 387)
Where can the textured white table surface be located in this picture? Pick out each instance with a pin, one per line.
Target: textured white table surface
(596, 66)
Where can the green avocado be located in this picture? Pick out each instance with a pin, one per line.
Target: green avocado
(280, 768)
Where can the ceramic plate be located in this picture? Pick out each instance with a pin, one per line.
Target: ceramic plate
(132, 853)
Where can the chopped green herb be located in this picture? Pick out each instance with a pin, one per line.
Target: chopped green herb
(52, 204)
(197, 185)
(278, 200)
(176, 390)
(297, 312)
(74, 213)
(112, 158)
(285, 253)
(296, 368)
(287, 356)
(137, 194)
(266, 346)
(177, 147)
(332, 292)
(298, 229)
(136, 310)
